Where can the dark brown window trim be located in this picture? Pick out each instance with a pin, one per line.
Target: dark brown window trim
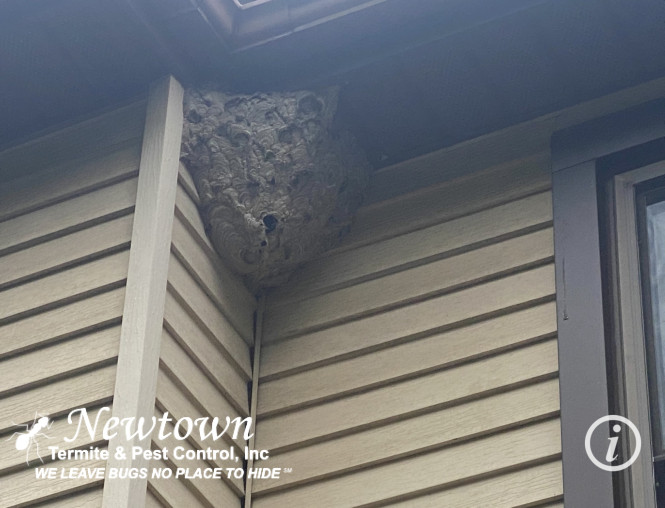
(577, 154)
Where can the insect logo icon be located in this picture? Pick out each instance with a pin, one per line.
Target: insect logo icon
(25, 440)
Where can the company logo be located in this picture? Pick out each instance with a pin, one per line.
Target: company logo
(25, 440)
(612, 455)
(126, 437)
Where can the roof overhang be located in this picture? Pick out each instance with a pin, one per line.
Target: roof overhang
(416, 76)
(248, 24)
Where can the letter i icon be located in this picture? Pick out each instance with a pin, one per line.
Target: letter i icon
(611, 455)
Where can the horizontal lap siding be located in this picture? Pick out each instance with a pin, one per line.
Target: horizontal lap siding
(89, 498)
(19, 488)
(65, 230)
(205, 360)
(416, 365)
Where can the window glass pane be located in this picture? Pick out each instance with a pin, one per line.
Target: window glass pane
(659, 473)
(655, 218)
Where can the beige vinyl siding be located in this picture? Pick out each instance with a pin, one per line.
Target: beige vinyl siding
(172, 493)
(65, 230)
(151, 500)
(90, 498)
(205, 360)
(18, 488)
(416, 365)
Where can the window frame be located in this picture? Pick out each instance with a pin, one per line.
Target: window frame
(586, 363)
(629, 335)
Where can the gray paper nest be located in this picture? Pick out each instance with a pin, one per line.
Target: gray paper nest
(278, 184)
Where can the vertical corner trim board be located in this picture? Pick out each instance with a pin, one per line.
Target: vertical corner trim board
(258, 335)
(138, 358)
